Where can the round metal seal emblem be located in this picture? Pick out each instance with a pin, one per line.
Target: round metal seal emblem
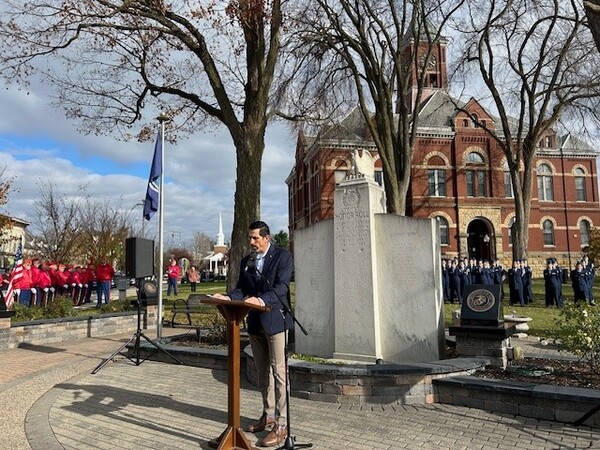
(351, 197)
(481, 300)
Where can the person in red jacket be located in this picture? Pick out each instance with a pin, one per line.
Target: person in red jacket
(76, 283)
(52, 270)
(35, 297)
(173, 273)
(104, 274)
(89, 276)
(62, 279)
(43, 284)
(25, 283)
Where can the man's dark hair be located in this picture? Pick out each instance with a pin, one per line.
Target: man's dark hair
(261, 226)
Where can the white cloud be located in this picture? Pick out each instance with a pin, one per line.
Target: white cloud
(200, 169)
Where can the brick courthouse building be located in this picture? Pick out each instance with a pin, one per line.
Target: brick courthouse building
(460, 177)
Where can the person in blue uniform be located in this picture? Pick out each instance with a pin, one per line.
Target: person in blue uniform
(553, 284)
(588, 269)
(446, 269)
(515, 284)
(578, 282)
(498, 273)
(486, 276)
(527, 282)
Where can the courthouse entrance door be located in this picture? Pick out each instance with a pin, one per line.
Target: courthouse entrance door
(480, 240)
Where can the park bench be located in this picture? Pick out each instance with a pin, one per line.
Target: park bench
(186, 308)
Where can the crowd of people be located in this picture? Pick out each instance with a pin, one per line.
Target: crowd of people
(458, 273)
(40, 282)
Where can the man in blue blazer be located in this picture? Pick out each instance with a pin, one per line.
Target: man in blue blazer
(264, 280)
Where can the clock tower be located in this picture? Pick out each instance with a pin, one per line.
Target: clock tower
(427, 59)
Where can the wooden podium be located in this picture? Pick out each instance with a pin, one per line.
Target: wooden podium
(234, 312)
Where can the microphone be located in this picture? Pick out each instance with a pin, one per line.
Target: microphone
(251, 263)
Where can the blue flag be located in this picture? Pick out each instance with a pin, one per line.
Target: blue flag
(152, 193)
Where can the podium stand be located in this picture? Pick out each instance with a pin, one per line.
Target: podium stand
(234, 312)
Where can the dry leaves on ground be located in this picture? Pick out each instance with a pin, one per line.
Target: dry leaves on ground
(546, 371)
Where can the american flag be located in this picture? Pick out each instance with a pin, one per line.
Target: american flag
(17, 274)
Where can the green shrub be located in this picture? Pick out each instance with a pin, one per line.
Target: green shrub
(115, 306)
(60, 307)
(578, 326)
(25, 314)
(63, 307)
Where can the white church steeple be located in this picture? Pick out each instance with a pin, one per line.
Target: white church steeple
(220, 235)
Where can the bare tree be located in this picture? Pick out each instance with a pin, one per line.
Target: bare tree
(103, 227)
(57, 218)
(5, 220)
(538, 64)
(376, 53)
(202, 245)
(200, 61)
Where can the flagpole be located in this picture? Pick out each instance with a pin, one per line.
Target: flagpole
(162, 119)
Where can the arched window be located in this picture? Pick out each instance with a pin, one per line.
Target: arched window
(580, 184)
(511, 222)
(444, 230)
(544, 180)
(476, 180)
(475, 120)
(475, 158)
(548, 232)
(584, 232)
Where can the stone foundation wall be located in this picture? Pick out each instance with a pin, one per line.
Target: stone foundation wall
(49, 331)
(545, 402)
(494, 349)
(386, 384)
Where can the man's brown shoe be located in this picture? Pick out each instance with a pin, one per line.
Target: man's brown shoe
(275, 437)
(264, 422)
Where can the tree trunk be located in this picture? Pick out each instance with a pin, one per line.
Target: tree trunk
(249, 151)
(523, 194)
(592, 11)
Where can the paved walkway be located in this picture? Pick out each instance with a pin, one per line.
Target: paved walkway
(51, 401)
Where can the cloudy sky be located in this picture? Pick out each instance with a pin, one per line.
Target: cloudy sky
(39, 145)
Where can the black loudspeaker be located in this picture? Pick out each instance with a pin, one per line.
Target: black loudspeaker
(148, 293)
(139, 257)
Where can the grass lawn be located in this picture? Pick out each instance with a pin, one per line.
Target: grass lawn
(544, 319)
(542, 325)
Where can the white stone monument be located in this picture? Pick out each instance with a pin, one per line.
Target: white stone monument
(368, 284)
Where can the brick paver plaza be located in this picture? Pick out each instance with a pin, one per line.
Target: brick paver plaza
(51, 401)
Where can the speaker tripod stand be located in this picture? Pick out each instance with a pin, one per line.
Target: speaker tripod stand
(135, 358)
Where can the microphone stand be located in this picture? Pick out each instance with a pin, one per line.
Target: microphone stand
(289, 440)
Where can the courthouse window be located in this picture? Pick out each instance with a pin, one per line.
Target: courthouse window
(436, 182)
(548, 232)
(444, 230)
(544, 180)
(511, 222)
(476, 178)
(580, 185)
(508, 187)
(584, 232)
(476, 183)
